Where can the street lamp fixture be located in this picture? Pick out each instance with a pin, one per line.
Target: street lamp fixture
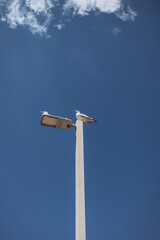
(56, 122)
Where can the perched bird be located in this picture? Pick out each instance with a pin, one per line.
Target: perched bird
(84, 118)
(44, 112)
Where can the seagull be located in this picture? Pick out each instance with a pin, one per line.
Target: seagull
(44, 112)
(84, 118)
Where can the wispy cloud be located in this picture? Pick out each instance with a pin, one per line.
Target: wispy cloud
(84, 7)
(128, 15)
(38, 14)
(59, 26)
(116, 31)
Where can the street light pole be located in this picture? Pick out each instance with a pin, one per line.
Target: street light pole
(65, 123)
(80, 186)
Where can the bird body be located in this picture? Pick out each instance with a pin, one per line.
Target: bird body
(84, 118)
(44, 112)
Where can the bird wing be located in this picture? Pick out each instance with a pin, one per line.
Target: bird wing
(83, 115)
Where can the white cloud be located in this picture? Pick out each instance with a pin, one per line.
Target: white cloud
(26, 13)
(127, 15)
(59, 26)
(40, 6)
(37, 14)
(83, 7)
(108, 6)
(116, 31)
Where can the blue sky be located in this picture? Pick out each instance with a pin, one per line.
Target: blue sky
(103, 59)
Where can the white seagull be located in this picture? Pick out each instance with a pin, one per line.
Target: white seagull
(44, 112)
(84, 118)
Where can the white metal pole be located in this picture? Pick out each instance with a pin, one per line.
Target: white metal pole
(80, 186)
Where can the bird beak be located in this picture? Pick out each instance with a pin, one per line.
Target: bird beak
(75, 110)
(41, 111)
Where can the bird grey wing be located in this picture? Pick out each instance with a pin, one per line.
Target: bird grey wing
(83, 115)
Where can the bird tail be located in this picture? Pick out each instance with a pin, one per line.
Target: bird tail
(92, 121)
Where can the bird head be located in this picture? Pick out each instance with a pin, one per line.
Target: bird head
(77, 111)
